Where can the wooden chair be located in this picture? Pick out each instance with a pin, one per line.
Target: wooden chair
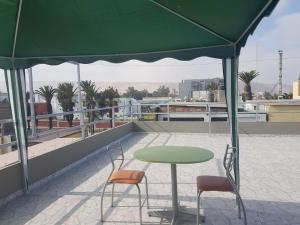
(121, 176)
(223, 184)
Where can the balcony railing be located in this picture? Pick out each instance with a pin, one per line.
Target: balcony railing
(206, 112)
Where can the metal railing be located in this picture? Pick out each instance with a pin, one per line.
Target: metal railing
(61, 131)
(161, 112)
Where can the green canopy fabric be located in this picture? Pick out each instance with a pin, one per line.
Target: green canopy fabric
(56, 31)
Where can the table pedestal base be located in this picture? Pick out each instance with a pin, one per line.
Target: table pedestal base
(184, 216)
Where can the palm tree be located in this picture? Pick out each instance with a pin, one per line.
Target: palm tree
(247, 77)
(90, 90)
(47, 92)
(212, 87)
(65, 94)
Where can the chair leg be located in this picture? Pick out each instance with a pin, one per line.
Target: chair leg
(239, 207)
(101, 204)
(243, 207)
(112, 195)
(147, 195)
(140, 203)
(198, 206)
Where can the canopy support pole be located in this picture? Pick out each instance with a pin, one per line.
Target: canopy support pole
(32, 109)
(80, 101)
(231, 83)
(15, 82)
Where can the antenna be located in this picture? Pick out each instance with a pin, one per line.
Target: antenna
(280, 75)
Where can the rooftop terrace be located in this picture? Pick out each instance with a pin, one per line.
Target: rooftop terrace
(270, 185)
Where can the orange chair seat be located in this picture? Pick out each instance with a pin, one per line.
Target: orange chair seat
(127, 176)
(214, 183)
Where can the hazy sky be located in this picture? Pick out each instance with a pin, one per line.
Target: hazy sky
(279, 31)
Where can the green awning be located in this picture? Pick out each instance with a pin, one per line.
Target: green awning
(56, 31)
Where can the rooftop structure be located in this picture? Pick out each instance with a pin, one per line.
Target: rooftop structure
(186, 87)
(296, 89)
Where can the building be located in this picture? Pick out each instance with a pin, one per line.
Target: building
(186, 87)
(296, 89)
(277, 110)
(4, 98)
(280, 112)
(208, 96)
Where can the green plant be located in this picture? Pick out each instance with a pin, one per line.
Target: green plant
(162, 91)
(211, 88)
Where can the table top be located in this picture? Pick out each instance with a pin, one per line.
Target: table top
(173, 154)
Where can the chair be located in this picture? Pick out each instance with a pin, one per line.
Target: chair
(223, 184)
(121, 176)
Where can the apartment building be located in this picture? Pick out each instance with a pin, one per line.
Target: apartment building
(186, 87)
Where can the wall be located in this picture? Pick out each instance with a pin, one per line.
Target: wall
(44, 165)
(5, 112)
(276, 128)
(296, 89)
(284, 113)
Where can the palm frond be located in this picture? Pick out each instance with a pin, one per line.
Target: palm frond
(47, 92)
(247, 77)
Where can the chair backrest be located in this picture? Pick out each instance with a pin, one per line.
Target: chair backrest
(116, 153)
(228, 163)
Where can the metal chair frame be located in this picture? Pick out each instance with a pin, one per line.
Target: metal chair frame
(110, 149)
(228, 163)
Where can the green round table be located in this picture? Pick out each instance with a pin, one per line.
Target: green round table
(173, 155)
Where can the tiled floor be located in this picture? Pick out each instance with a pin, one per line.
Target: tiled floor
(270, 185)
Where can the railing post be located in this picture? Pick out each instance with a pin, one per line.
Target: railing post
(209, 119)
(168, 112)
(256, 114)
(123, 111)
(113, 116)
(2, 135)
(131, 111)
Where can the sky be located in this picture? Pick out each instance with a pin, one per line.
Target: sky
(280, 31)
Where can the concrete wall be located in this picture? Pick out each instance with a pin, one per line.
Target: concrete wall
(284, 113)
(296, 89)
(276, 128)
(51, 162)
(5, 112)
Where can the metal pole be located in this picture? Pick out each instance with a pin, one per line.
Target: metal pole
(16, 85)
(280, 75)
(256, 114)
(124, 111)
(32, 109)
(168, 112)
(174, 193)
(79, 99)
(131, 111)
(232, 96)
(209, 119)
(113, 116)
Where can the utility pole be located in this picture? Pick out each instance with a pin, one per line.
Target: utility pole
(280, 75)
